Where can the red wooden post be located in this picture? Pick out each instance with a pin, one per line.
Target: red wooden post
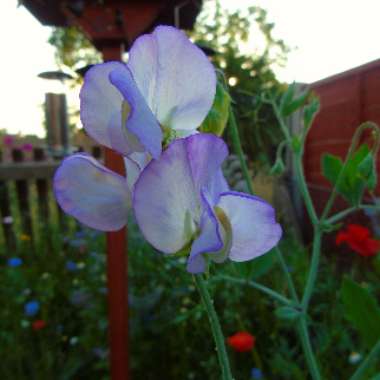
(117, 274)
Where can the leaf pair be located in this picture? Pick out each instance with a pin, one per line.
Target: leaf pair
(352, 178)
(292, 101)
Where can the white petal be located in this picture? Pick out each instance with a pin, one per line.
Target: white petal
(254, 227)
(96, 196)
(174, 76)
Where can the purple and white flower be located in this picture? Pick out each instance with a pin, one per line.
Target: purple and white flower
(167, 87)
(182, 201)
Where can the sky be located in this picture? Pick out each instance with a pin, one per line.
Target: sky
(326, 37)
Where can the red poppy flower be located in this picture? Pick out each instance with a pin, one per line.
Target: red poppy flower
(359, 240)
(241, 341)
(38, 324)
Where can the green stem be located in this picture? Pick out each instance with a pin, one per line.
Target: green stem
(289, 280)
(238, 149)
(304, 189)
(300, 177)
(215, 327)
(283, 126)
(316, 253)
(340, 215)
(259, 287)
(367, 362)
(306, 345)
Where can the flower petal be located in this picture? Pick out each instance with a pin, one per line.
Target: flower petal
(140, 122)
(208, 241)
(206, 153)
(92, 193)
(134, 164)
(101, 110)
(254, 227)
(165, 202)
(174, 76)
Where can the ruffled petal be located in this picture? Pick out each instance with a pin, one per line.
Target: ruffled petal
(101, 110)
(165, 202)
(208, 241)
(254, 227)
(96, 196)
(140, 121)
(174, 76)
(206, 153)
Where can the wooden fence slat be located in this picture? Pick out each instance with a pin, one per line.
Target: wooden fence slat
(27, 170)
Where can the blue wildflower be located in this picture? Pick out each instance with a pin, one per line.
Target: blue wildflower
(31, 308)
(71, 266)
(80, 234)
(256, 374)
(14, 262)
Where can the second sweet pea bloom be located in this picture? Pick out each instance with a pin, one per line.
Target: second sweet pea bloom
(182, 202)
(166, 88)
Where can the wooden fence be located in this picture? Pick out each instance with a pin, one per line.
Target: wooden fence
(26, 197)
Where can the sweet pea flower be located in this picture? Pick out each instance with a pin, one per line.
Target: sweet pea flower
(182, 203)
(166, 88)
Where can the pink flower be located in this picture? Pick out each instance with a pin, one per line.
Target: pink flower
(8, 140)
(27, 147)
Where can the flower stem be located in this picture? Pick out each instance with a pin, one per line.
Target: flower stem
(259, 287)
(285, 269)
(303, 188)
(316, 253)
(340, 215)
(306, 345)
(239, 150)
(215, 327)
(367, 362)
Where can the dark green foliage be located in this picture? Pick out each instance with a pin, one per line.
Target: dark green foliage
(351, 180)
(362, 310)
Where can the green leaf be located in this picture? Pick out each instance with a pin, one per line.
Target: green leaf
(367, 170)
(289, 103)
(362, 310)
(310, 111)
(359, 173)
(287, 96)
(288, 313)
(216, 119)
(296, 144)
(331, 167)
